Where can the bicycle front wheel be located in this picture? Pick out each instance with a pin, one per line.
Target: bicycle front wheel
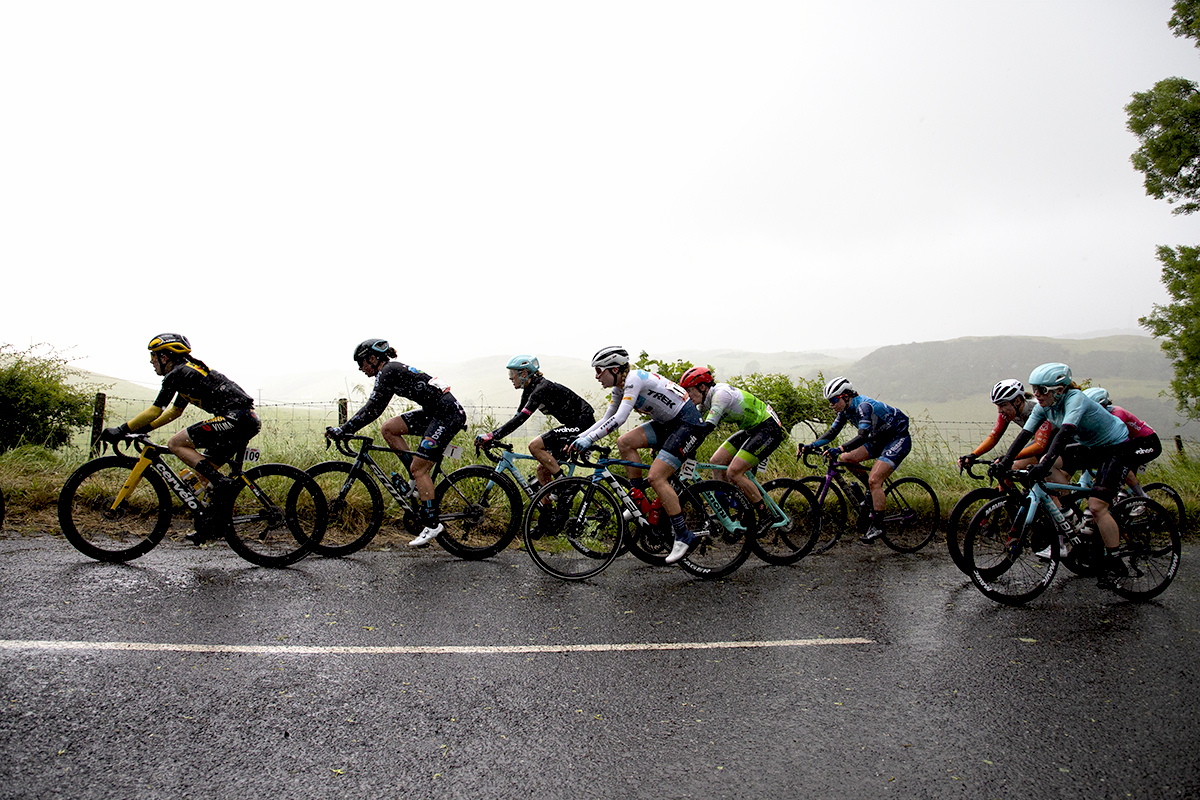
(278, 515)
(912, 517)
(1003, 553)
(573, 528)
(480, 510)
(722, 519)
(834, 512)
(1150, 548)
(786, 542)
(1169, 499)
(106, 533)
(960, 516)
(355, 508)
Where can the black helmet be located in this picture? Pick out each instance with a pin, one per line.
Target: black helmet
(366, 347)
(175, 343)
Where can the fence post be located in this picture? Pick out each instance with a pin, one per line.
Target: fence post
(98, 423)
(1179, 443)
(343, 411)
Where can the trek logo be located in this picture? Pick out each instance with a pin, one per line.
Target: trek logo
(185, 494)
(665, 399)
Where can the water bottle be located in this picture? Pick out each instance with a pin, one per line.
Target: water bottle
(196, 482)
(401, 485)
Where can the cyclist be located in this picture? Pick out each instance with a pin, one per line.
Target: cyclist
(1098, 441)
(187, 379)
(882, 434)
(759, 430)
(674, 430)
(1013, 404)
(573, 413)
(1145, 444)
(437, 420)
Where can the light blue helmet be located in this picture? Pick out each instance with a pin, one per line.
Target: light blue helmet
(523, 362)
(1100, 395)
(1052, 374)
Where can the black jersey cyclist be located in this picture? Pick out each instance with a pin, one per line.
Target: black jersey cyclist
(187, 379)
(882, 434)
(574, 415)
(759, 430)
(674, 431)
(439, 417)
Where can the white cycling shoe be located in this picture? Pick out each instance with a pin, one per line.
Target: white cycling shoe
(426, 536)
(678, 551)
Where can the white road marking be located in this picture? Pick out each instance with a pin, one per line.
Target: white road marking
(313, 650)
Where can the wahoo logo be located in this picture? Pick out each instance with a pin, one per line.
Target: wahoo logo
(1143, 451)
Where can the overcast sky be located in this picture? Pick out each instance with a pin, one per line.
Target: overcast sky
(278, 181)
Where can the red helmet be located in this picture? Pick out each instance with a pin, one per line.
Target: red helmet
(696, 375)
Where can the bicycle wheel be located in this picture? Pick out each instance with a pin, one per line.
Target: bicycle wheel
(480, 510)
(832, 522)
(787, 542)
(1169, 499)
(277, 515)
(1002, 552)
(573, 528)
(355, 508)
(1150, 547)
(960, 515)
(722, 519)
(913, 515)
(98, 530)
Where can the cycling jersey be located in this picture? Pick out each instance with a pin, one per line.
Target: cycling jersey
(1041, 439)
(193, 382)
(647, 392)
(1094, 426)
(873, 419)
(553, 400)
(400, 380)
(1137, 429)
(737, 405)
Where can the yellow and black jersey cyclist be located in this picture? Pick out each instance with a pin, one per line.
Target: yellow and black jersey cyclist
(437, 420)
(187, 379)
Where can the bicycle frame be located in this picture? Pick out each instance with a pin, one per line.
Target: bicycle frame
(364, 462)
(150, 455)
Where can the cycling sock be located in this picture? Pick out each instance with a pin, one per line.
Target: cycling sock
(682, 534)
(209, 470)
(431, 513)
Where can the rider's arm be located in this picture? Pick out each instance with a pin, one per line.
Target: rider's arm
(992, 438)
(1066, 434)
(517, 421)
(1041, 441)
(1014, 449)
(831, 434)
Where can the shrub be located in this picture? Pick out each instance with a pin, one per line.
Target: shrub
(37, 405)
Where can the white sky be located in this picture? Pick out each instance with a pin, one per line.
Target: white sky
(476, 178)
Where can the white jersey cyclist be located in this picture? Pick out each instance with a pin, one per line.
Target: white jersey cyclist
(646, 392)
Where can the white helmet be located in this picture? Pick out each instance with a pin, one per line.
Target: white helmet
(837, 387)
(613, 356)
(1007, 390)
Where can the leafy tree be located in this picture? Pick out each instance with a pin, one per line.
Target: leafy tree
(1178, 324)
(37, 405)
(796, 403)
(1166, 121)
(671, 370)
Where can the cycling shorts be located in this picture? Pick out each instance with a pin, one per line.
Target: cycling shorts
(754, 445)
(223, 437)
(1143, 450)
(676, 440)
(557, 440)
(1109, 463)
(890, 451)
(436, 431)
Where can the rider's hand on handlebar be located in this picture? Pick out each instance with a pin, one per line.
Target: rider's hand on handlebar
(483, 439)
(999, 468)
(333, 433)
(115, 435)
(1040, 470)
(965, 461)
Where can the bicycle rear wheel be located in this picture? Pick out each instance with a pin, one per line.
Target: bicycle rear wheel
(573, 528)
(960, 516)
(832, 522)
(96, 529)
(277, 516)
(1169, 499)
(480, 510)
(1002, 552)
(721, 517)
(1150, 547)
(784, 543)
(913, 515)
(355, 508)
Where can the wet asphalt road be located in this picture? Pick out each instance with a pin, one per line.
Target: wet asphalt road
(1078, 695)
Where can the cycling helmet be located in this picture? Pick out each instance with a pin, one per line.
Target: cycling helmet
(610, 357)
(696, 376)
(1052, 374)
(1098, 394)
(170, 342)
(1007, 391)
(366, 347)
(524, 362)
(837, 387)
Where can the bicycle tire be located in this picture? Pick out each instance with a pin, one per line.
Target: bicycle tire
(1, 509)
(1166, 496)
(1004, 566)
(583, 533)
(480, 510)
(95, 529)
(786, 544)
(284, 524)
(1150, 547)
(355, 506)
(913, 514)
(834, 512)
(723, 532)
(960, 515)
